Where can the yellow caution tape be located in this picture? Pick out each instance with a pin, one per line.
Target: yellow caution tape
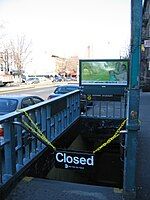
(89, 97)
(117, 133)
(36, 131)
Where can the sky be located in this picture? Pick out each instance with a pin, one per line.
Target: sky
(67, 27)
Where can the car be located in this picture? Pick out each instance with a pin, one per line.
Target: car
(63, 89)
(32, 80)
(57, 78)
(10, 103)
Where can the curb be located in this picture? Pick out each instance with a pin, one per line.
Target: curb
(5, 89)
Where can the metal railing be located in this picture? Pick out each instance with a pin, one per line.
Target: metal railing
(19, 147)
(105, 109)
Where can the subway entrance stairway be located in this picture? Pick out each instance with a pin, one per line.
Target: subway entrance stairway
(103, 182)
(39, 188)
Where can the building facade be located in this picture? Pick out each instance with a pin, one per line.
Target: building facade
(145, 55)
(66, 67)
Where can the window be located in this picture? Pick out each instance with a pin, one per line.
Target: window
(26, 102)
(8, 105)
(37, 100)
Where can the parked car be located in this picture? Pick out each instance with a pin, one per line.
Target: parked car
(32, 80)
(57, 78)
(63, 89)
(10, 103)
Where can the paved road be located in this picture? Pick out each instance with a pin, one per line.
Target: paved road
(43, 89)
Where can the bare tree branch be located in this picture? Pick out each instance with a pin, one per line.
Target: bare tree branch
(21, 52)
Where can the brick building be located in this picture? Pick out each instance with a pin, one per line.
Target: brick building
(66, 66)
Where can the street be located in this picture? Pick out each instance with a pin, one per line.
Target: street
(42, 91)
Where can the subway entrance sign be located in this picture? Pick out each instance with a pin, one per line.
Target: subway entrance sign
(74, 160)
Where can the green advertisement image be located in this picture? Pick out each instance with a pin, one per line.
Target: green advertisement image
(104, 72)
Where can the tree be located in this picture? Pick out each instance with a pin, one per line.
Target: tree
(2, 31)
(15, 54)
(21, 53)
(126, 52)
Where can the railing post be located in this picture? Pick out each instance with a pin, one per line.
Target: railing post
(10, 157)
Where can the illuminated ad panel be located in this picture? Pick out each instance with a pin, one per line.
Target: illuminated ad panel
(104, 72)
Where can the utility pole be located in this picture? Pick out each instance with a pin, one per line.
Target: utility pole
(133, 102)
(89, 51)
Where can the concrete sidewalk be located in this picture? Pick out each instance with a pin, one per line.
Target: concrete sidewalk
(143, 151)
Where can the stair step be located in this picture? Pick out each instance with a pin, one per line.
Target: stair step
(31, 188)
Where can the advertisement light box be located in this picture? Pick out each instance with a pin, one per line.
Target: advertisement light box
(104, 72)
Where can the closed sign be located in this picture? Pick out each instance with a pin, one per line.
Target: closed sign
(73, 160)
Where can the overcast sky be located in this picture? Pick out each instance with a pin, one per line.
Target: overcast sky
(67, 27)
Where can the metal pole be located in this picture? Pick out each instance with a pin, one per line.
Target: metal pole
(129, 184)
